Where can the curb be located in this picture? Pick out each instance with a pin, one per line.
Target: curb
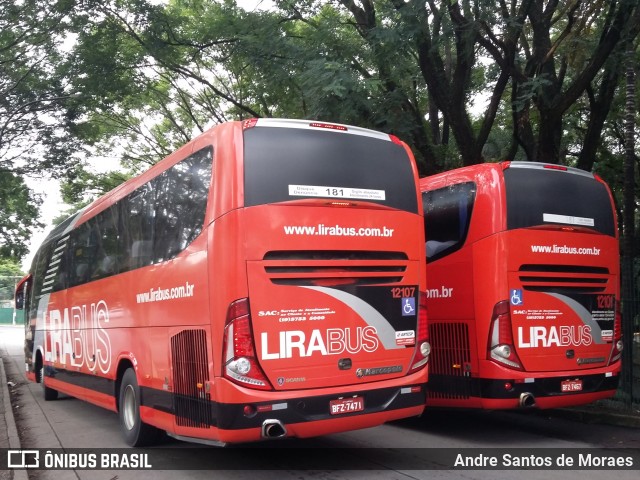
(12, 430)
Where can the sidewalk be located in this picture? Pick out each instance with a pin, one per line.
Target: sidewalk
(601, 414)
(8, 431)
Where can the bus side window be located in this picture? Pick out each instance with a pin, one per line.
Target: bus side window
(81, 249)
(138, 230)
(181, 202)
(42, 260)
(19, 299)
(447, 217)
(22, 294)
(106, 261)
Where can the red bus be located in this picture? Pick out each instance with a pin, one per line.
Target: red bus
(262, 281)
(523, 286)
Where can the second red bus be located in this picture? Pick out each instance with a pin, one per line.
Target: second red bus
(523, 286)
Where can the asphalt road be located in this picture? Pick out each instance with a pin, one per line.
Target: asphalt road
(419, 448)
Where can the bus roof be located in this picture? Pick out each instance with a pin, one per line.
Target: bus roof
(167, 162)
(312, 125)
(549, 166)
(471, 171)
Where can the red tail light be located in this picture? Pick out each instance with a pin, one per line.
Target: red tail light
(240, 363)
(423, 348)
(616, 350)
(501, 347)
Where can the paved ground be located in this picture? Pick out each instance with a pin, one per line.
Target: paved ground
(598, 413)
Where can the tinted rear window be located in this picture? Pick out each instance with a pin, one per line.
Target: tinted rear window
(543, 196)
(281, 164)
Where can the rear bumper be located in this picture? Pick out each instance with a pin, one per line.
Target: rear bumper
(316, 408)
(241, 414)
(546, 387)
(506, 393)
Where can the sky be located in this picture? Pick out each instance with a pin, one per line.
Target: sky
(51, 206)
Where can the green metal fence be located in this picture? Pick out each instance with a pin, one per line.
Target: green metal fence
(628, 394)
(6, 316)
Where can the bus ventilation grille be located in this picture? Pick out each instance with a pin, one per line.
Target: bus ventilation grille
(334, 267)
(450, 360)
(189, 363)
(563, 279)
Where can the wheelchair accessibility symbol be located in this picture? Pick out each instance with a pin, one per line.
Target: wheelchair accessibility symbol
(516, 297)
(408, 306)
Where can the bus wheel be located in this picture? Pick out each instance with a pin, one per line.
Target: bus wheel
(49, 393)
(135, 431)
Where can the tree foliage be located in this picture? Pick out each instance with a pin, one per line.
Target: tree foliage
(33, 88)
(18, 215)
(10, 274)
(416, 68)
(35, 139)
(461, 81)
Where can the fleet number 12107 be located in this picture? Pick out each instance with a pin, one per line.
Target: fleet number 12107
(403, 292)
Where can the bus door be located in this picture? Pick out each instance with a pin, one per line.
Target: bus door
(450, 289)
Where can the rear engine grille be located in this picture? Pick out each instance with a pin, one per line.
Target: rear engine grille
(563, 278)
(334, 267)
(450, 360)
(189, 362)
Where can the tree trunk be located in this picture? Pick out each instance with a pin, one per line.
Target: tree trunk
(549, 137)
(599, 106)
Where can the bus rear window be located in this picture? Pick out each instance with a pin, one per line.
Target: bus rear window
(286, 164)
(537, 196)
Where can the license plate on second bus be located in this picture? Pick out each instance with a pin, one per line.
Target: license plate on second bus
(346, 405)
(571, 386)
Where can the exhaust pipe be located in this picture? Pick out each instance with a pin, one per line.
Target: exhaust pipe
(273, 428)
(527, 400)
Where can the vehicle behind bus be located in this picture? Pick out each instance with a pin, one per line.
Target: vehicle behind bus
(523, 286)
(261, 282)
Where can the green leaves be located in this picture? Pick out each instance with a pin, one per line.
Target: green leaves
(18, 215)
(135, 79)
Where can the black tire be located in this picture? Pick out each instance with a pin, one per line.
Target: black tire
(49, 393)
(136, 433)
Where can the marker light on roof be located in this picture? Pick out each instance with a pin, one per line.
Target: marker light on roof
(328, 126)
(249, 123)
